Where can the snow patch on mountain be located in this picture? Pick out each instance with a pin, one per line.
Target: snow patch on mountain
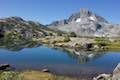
(78, 20)
(92, 18)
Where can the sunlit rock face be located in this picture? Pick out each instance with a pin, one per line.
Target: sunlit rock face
(86, 23)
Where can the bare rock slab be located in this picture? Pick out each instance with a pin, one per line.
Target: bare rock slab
(116, 73)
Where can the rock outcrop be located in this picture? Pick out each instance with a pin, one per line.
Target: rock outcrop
(116, 73)
(46, 70)
(4, 67)
(102, 77)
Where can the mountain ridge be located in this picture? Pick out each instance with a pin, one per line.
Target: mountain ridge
(86, 23)
(83, 23)
(16, 32)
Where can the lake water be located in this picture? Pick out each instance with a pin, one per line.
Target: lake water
(60, 62)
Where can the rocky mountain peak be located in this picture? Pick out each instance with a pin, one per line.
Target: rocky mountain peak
(82, 16)
(84, 12)
(86, 23)
(85, 15)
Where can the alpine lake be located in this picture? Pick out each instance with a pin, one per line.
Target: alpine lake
(60, 62)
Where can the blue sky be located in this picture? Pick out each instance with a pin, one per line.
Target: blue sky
(46, 11)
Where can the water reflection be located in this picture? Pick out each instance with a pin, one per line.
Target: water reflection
(60, 61)
(86, 57)
(82, 57)
(20, 46)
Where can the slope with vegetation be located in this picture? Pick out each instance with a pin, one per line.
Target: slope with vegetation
(31, 75)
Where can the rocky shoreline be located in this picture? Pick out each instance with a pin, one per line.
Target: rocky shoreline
(114, 76)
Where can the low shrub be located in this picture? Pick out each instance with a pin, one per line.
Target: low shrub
(66, 39)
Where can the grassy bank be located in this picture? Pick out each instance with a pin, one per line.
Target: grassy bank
(30, 75)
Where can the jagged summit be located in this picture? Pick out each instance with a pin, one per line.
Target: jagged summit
(81, 16)
(84, 12)
(86, 23)
(86, 15)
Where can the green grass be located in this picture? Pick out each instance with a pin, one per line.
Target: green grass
(31, 75)
(115, 46)
(10, 76)
(108, 45)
